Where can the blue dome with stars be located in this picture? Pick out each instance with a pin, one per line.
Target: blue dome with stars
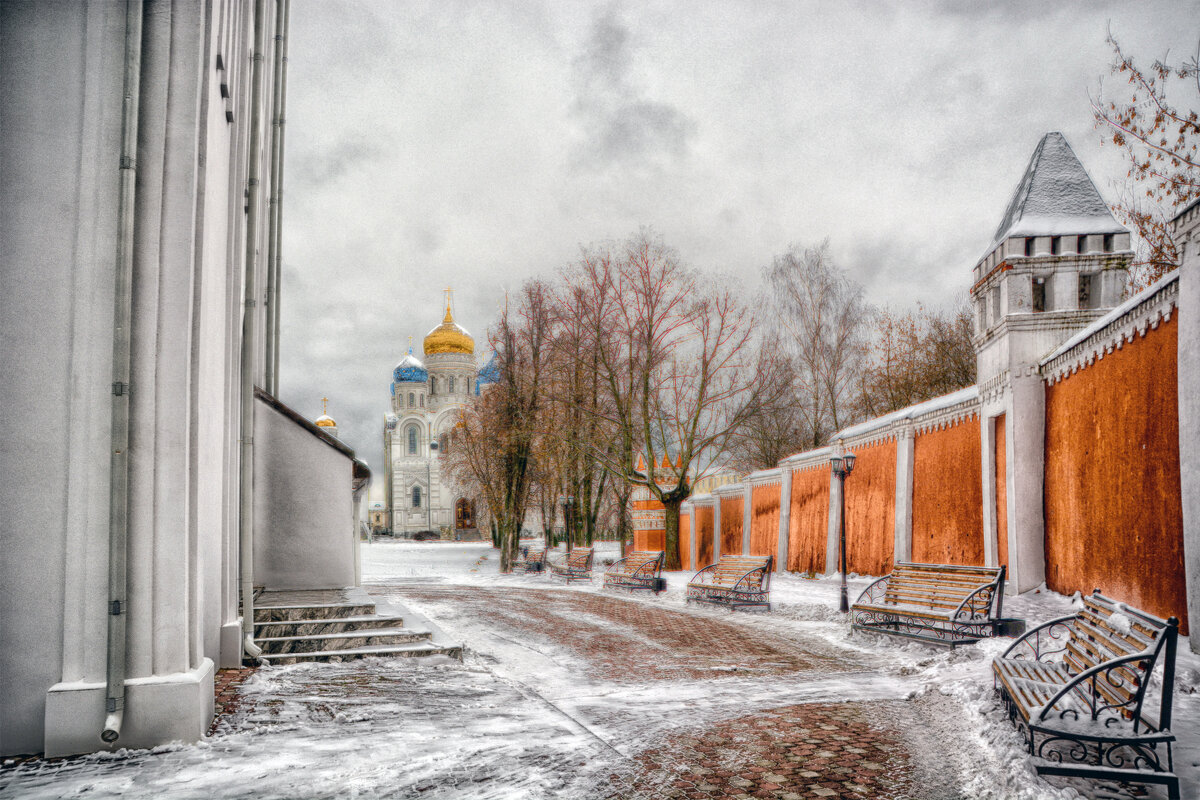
(410, 370)
(488, 374)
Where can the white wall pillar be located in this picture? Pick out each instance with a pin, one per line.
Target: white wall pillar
(905, 439)
(987, 450)
(716, 527)
(785, 520)
(833, 534)
(1189, 414)
(1026, 520)
(691, 512)
(747, 516)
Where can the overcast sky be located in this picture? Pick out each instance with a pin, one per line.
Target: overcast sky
(474, 145)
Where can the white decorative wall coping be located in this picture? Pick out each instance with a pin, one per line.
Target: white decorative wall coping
(1138, 314)
(766, 477)
(809, 459)
(700, 500)
(730, 490)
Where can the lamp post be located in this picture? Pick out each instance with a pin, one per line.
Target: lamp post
(842, 467)
(567, 503)
(433, 448)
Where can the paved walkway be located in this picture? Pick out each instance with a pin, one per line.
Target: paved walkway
(669, 691)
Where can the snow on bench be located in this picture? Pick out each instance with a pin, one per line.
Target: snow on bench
(1076, 689)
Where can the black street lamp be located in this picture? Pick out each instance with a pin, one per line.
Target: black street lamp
(568, 501)
(842, 467)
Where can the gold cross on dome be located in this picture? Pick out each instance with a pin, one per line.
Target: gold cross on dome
(325, 406)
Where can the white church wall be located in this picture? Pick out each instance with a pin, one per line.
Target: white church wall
(61, 151)
(304, 536)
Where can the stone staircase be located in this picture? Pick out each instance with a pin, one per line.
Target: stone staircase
(337, 625)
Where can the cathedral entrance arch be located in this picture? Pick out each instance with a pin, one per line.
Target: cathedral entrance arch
(464, 513)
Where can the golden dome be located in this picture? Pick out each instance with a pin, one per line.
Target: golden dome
(449, 337)
(325, 421)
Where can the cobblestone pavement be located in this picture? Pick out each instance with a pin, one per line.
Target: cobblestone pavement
(623, 641)
(229, 699)
(817, 750)
(872, 749)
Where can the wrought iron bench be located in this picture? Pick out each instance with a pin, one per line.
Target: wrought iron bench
(640, 569)
(1076, 689)
(532, 558)
(573, 566)
(939, 603)
(734, 581)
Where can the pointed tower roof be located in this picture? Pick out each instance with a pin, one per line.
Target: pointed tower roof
(1056, 196)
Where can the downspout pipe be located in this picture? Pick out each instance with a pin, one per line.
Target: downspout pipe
(118, 506)
(250, 343)
(275, 214)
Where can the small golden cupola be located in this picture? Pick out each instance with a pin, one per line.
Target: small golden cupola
(449, 337)
(325, 421)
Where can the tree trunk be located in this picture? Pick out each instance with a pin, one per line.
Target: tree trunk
(672, 560)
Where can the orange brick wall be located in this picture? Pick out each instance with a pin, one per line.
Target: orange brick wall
(947, 503)
(1114, 516)
(648, 540)
(871, 510)
(809, 524)
(704, 536)
(1001, 455)
(731, 525)
(764, 520)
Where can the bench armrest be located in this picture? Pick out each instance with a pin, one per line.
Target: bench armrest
(1039, 642)
(1119, 674)
(978, 604)
(875, 592)
(762, 582)
(699, 577)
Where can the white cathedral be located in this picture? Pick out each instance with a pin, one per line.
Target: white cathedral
(420, 428)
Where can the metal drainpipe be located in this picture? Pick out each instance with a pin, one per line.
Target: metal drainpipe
(118, 514)
(275, 216)
(250, 345)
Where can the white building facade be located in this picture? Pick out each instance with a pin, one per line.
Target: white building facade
(142, 175)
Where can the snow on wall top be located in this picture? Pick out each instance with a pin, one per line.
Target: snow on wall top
(1055, 196)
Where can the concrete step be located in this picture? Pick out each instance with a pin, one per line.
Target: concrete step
(341, 640)
(408, 650)
(287, 613)
(314, 627)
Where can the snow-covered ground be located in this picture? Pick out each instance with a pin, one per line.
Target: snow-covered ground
(518, 719)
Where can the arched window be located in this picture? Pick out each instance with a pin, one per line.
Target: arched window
(412, 440)
(432, 385)
(416, 497)
(443, 445)
(422, 401)
(451, 384)
(412, 400)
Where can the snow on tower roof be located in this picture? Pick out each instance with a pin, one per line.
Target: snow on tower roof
(1055, 196)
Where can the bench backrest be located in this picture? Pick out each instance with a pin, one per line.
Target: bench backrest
(649, 561)
(730, 569)
(535, 552)
(580, 558)
(938, 586)
(1105, 630)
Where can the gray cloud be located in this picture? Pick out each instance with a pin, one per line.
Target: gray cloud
(474, 145)
(622, 127)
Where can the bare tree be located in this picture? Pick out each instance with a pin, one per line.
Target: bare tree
(822, 319)
(916, 356)
(773, 427)
(676, 361)
(1162, 142)
(495, 451)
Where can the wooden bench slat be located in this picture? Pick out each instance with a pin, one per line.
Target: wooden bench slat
(1111, 695)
